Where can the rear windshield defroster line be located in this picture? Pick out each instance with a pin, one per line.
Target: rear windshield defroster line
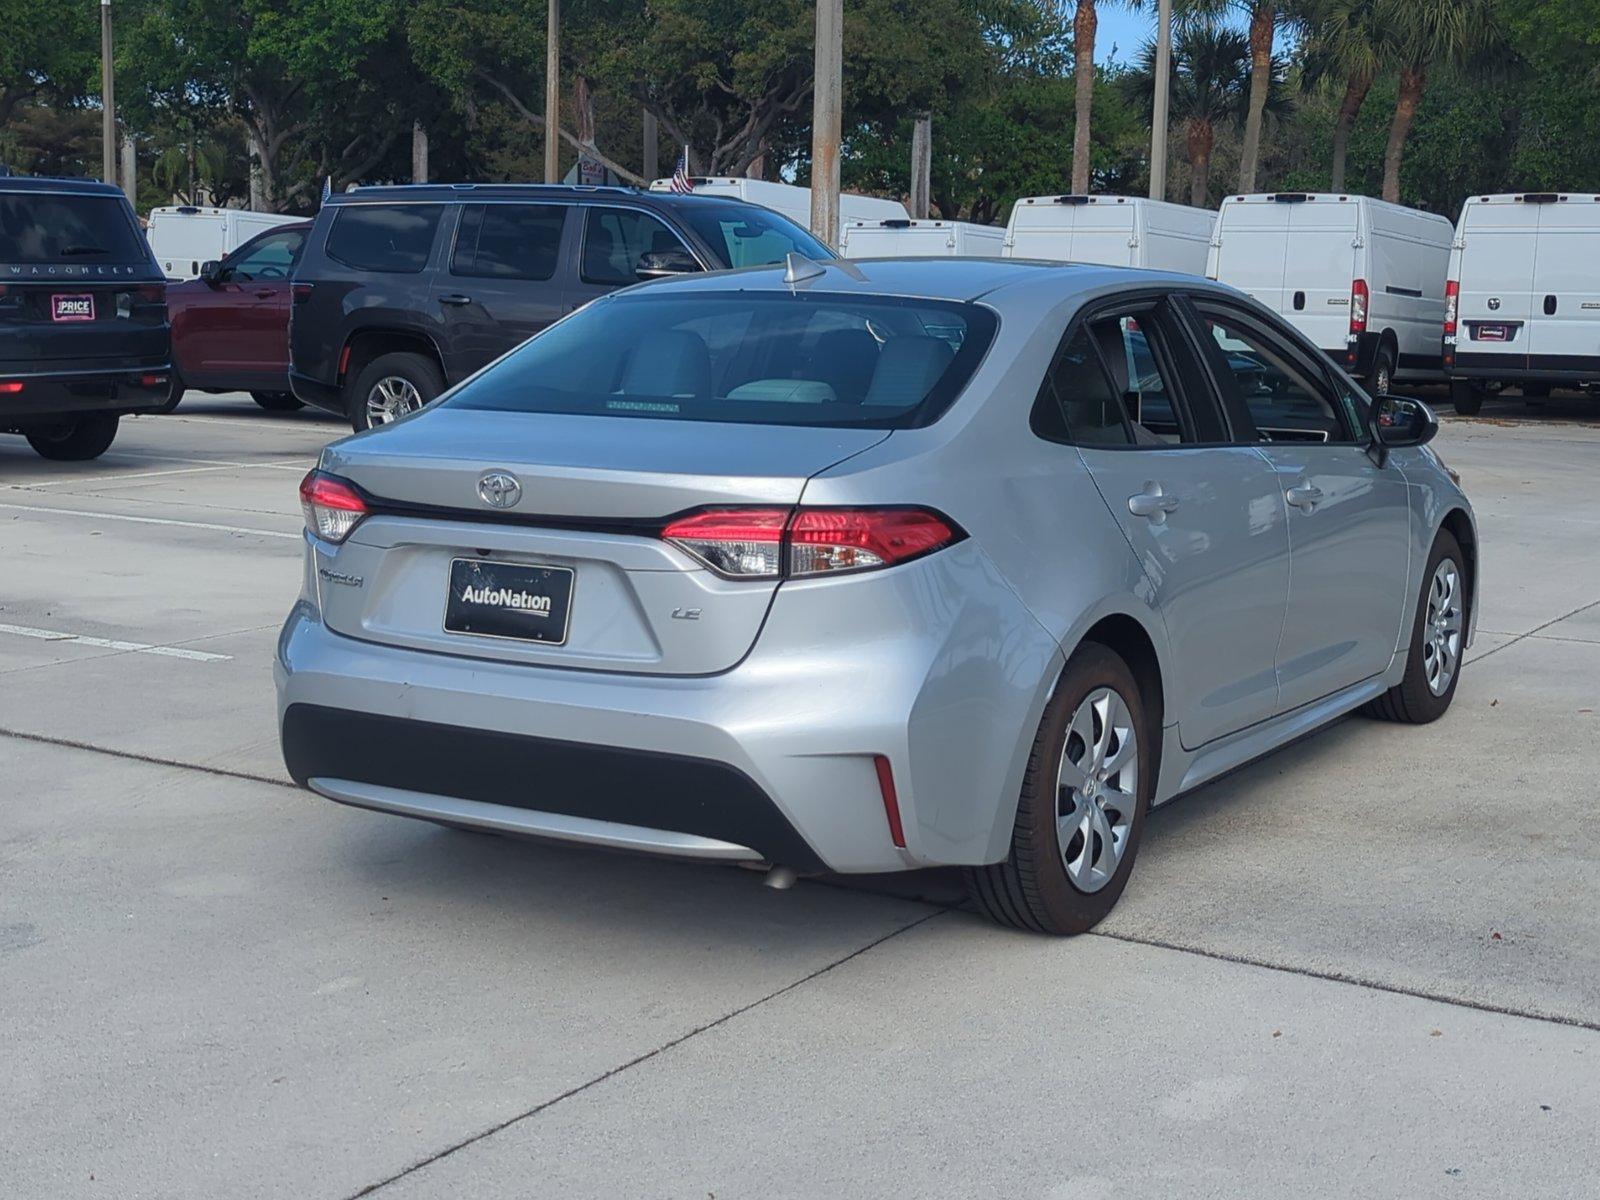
(746, 357)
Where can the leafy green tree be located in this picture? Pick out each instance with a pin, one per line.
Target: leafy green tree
(49, 51)
(1348, 43)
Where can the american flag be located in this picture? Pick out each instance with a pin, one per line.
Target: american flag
(681, 182)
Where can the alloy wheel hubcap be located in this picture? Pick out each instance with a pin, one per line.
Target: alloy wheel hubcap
(390, 398)
(1441, 628)
(1097, 789)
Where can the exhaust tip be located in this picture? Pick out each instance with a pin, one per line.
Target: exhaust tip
(780, 879)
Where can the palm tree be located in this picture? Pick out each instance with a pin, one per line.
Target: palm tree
(1348, 42)
(183, 166)
(1211, 73)
(1427, 34)
(1085, 23)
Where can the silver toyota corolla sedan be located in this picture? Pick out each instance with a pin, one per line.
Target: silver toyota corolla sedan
(872, 566)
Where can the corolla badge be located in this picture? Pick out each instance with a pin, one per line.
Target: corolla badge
(499, 489)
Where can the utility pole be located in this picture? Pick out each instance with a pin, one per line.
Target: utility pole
(1158, 123)
(552, 95)
(922, 166)
(108, 100)
(652, 146)
(419, 152)
(827, 120)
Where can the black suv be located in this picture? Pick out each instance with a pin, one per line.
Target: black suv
(83, 316)
(401, 292)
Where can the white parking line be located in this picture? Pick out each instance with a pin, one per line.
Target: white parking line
(55, 635)
(76, 512)
(98, 480)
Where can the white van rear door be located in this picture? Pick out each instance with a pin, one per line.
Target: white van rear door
(1320, 267)
(1101, 233)
(1498, 241)
(1564, 334)
(1254, 250)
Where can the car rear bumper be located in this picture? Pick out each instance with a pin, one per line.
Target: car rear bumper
(777, 756)
(48, 397)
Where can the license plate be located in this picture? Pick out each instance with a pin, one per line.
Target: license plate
(509, 600)
(72, 308)
(1493, 333)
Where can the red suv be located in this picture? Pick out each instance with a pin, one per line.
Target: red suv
(230, 327)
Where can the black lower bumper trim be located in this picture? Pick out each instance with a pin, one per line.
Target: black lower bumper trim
(45, 399)
(606, 783)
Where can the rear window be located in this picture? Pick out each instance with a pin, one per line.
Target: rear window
(396, 238)
(38, 227)
(745, 235)
(746, 357)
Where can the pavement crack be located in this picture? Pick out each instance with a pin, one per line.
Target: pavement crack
(642, 1058)
(1582, 608)
(152, 759)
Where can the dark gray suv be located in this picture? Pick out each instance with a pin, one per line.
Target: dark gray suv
(401, 292)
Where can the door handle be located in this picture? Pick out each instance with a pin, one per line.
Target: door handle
(1549, 306)
(265, 294)
(1304, 497)
(1153, 503)
(456, 299)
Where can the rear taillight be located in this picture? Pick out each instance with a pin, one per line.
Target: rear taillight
(1359, 296)
(301, 292)
(332, 506)
(772, 543)
(1452, 307)
(10, 387)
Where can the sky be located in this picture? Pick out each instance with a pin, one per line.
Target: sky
(1127, 29)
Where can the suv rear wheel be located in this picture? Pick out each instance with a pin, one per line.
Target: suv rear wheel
(77, 439)
(1084, 797)
(392, 385)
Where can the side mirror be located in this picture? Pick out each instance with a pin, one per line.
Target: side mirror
(658, 264)
(211, 272)
(1399, 421)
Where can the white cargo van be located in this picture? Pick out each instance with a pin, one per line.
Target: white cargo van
(899, 237)
(793, 202)
(1361, 278)
(1523, 302)
(187, 236)
(1120, 231)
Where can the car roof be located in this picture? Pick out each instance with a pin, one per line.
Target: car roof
(46, 184)
(960, 279)
(448, 192)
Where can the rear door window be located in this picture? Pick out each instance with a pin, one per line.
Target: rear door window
(508, 241)
(42, 227)
(615, 239)
(270, 257)
(394, 238)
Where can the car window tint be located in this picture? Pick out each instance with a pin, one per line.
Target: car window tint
(614, 239)
(396, 238)
(271, 257)
(1284, 399)
(746, 235)
(40, 227)
(1078, 402)
(1140, 377)
(508, 241)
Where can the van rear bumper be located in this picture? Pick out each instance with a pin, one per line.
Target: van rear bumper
(47, 397)
(1557, 368)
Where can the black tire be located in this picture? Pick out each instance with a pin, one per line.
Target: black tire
(1536, 391)
(421, 372)
(1412, 701)
(77, 439)
(174, 394)
(1380, 380)
(1467, 397)
(1030, 889)
(277, 401)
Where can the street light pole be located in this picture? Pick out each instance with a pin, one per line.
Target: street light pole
(1158, 122)
(108, 100)
(827, 120)
(552, 95)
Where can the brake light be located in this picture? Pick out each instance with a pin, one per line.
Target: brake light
(152, 381)
(332, 506)
(1452, 306)
(10, 387)
(301, 292)
(1358, 306)
(772, 543)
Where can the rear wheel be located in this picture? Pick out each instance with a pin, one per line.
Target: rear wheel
(1438, 639)
(392, 385)
(76, 439)
(276, 401)
(174, 394)
(1535, 391)
(1466, 396)
(1084, 797)
(1381, 378)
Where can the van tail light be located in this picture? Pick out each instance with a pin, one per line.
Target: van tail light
(10, 387)
(1452, 307)
(1359, 297)
(774, 543)
(332, 506)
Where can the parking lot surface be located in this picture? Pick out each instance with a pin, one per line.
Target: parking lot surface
(1369, 964)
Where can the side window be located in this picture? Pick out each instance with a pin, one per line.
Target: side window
(271, 257)
(614, 239)
(1283, 394)
(396, 238)
(1076, 402)
(508, 241)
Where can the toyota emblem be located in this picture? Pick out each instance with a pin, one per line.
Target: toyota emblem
(499, 489)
